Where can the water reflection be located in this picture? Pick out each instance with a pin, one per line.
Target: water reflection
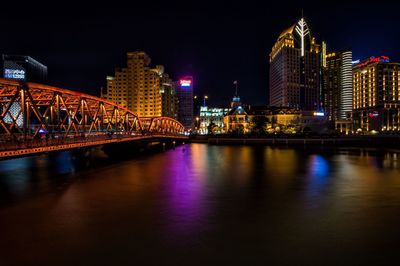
(185, 182)
(318, 177)
(200, 202)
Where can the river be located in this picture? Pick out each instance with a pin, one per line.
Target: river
(202, 205)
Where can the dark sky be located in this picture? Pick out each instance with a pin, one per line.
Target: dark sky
(215, 41)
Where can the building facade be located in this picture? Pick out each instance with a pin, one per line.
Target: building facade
(137, 86)
(184, 93)
(169, 99)
(376, 95)
(237, 121)
(212, 118)
(23, 68)
(338, 86)
(295, 69)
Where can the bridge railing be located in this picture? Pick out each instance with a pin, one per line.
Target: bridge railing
(27, 142)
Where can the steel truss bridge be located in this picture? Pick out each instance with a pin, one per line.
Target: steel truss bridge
(37, 118)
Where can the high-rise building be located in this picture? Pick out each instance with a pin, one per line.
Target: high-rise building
(185, 101)
(338, 87)
(376, 94)
(137, 86)
(169, 99)
(24, 68)
(295, 69)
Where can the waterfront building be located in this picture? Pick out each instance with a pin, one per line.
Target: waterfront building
(276, 118)
(376, 95)
(212, 118)
(137, 86)
(337, 85)
(295, 69)
(24, 68)
(315, 122)
(237, 121)
(184, 93)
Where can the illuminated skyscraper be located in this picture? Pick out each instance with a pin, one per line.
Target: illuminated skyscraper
(376, 94)
(185, 99)
(137, 86)
(338, 86)
(295, 69)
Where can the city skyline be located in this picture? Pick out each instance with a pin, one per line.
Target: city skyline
(236, 47)
(199, 133)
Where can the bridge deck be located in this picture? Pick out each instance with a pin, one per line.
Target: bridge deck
(9, 149)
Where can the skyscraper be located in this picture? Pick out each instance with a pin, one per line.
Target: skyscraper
(338, 86)
(295, 69)
(136, 86)
(376, 94)
(185, 101)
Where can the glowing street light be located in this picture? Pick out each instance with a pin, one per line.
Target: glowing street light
(205, 98)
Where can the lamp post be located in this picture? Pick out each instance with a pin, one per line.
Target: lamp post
(197, 123)
(204, 100)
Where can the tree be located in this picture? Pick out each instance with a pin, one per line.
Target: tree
(211, 127)
(259, 124)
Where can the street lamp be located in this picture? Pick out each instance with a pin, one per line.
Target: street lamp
(197, 123)
(205, 98)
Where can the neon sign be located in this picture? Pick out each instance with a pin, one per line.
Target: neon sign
(381, 59)
(14, 74)
(185, 82)
(373, 59)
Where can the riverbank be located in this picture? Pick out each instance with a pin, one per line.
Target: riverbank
(389, 141)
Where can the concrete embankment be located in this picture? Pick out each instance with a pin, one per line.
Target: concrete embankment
(390, 141)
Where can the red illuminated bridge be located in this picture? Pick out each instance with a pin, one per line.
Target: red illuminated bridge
(36, 118)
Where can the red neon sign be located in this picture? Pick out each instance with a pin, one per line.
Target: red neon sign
(373, 59)
(383, 59)
(185, 82)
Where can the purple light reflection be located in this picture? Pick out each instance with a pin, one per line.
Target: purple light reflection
(186, 210)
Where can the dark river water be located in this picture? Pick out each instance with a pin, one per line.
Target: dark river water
(202, 205)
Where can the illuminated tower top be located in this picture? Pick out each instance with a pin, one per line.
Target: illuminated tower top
(302, 30)
(297, 36)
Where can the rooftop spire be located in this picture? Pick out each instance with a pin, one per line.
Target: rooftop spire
(236, 87)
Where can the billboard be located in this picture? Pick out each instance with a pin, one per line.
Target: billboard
(18, 74)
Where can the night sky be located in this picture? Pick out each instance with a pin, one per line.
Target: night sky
(215, 41)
